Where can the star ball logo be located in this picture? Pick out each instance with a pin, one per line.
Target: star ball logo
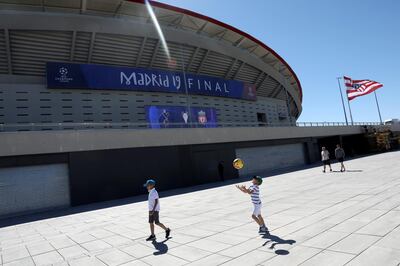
(63, 71)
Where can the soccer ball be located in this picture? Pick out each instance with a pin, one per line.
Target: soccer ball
(238, 163)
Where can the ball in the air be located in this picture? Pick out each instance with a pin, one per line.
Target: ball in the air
(238, 163)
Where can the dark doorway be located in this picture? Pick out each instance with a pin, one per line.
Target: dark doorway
(261, 119)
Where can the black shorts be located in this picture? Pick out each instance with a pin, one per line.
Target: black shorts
(326, 162)
(340, 159)
(154, 217)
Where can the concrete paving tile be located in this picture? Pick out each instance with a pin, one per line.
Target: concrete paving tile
(21, 262)
(242, 248)
(377, 256)
(382, 225)
(349, 226)
(96, 245)
(14, 254)
(72, 252)
(182, 238)
(325, 239)
(87, 261)
(368, 215)
(115, 257)
(328, 258)
(189, 253)
(138, 250)
(296, 256)
(391, 240)
(39, 247)
(135, 263)
(228, 238)
(212, 260)
(254, 257)
(48, 258)
(117, 240)
(354, 243)
(61, 242)
(164, 260)
(82, 237)
(209, 245)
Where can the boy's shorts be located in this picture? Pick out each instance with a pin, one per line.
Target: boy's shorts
(340, 159)
(154, 217)
(326, 162)
(257, 209)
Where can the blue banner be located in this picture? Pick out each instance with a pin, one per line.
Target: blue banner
(180, 117)
(102, 77)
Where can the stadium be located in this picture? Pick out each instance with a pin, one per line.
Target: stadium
(93, 101)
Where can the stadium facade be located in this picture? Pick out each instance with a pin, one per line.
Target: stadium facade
(87, 88)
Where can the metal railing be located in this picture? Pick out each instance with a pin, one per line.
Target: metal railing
(130, 125)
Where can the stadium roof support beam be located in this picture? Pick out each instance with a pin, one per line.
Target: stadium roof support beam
(274, 90)
(139, 57)
(153, 57)
(239, 42)
(72, 51)
(202, 61)
(83, 6)
(266, 77)
(118, 7)
(8, 50)
(91, 46)
(230, 68)
(238, 70)
(259, 78)
(192, 58)
(202, 27)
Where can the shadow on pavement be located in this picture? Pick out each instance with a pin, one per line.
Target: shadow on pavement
(161, 247)
(276, 240)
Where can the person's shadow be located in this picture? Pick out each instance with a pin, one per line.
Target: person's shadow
(276, 240)
(161, 247)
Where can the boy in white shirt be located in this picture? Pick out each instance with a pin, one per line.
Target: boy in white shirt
(154, 209)
(254, 191)
(325, 159)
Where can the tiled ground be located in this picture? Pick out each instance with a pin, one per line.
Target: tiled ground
(336, 218)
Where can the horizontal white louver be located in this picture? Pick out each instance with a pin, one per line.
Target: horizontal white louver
(82, 46)
(113, 49)
(3, 54)
(248, 74)
(30, 50)
(216, 64)
(266, 87)
(147, 52)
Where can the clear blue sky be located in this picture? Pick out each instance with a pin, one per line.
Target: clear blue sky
(321, 40)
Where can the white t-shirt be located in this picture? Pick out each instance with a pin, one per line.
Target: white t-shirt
(153, 195)
(325, 155)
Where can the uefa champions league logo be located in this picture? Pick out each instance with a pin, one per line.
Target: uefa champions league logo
(63, 71)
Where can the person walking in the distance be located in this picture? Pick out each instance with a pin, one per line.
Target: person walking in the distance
(254, 192)
(154, 209)
(325, 159)
(339, 154)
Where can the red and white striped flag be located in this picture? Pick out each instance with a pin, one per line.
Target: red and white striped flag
(356, 88)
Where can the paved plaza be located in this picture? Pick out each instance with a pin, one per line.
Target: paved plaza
(350, 218)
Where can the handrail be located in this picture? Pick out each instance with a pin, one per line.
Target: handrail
(130, 125)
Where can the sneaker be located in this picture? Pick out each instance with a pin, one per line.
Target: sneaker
(323, 171)
(331, 170)
(151, 238)
(263, 229)
(167, 232)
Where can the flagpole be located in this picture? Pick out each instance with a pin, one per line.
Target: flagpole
(341, 97)
(377, 105)
(351, 115)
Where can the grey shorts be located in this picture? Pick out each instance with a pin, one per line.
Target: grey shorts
(154, 217)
